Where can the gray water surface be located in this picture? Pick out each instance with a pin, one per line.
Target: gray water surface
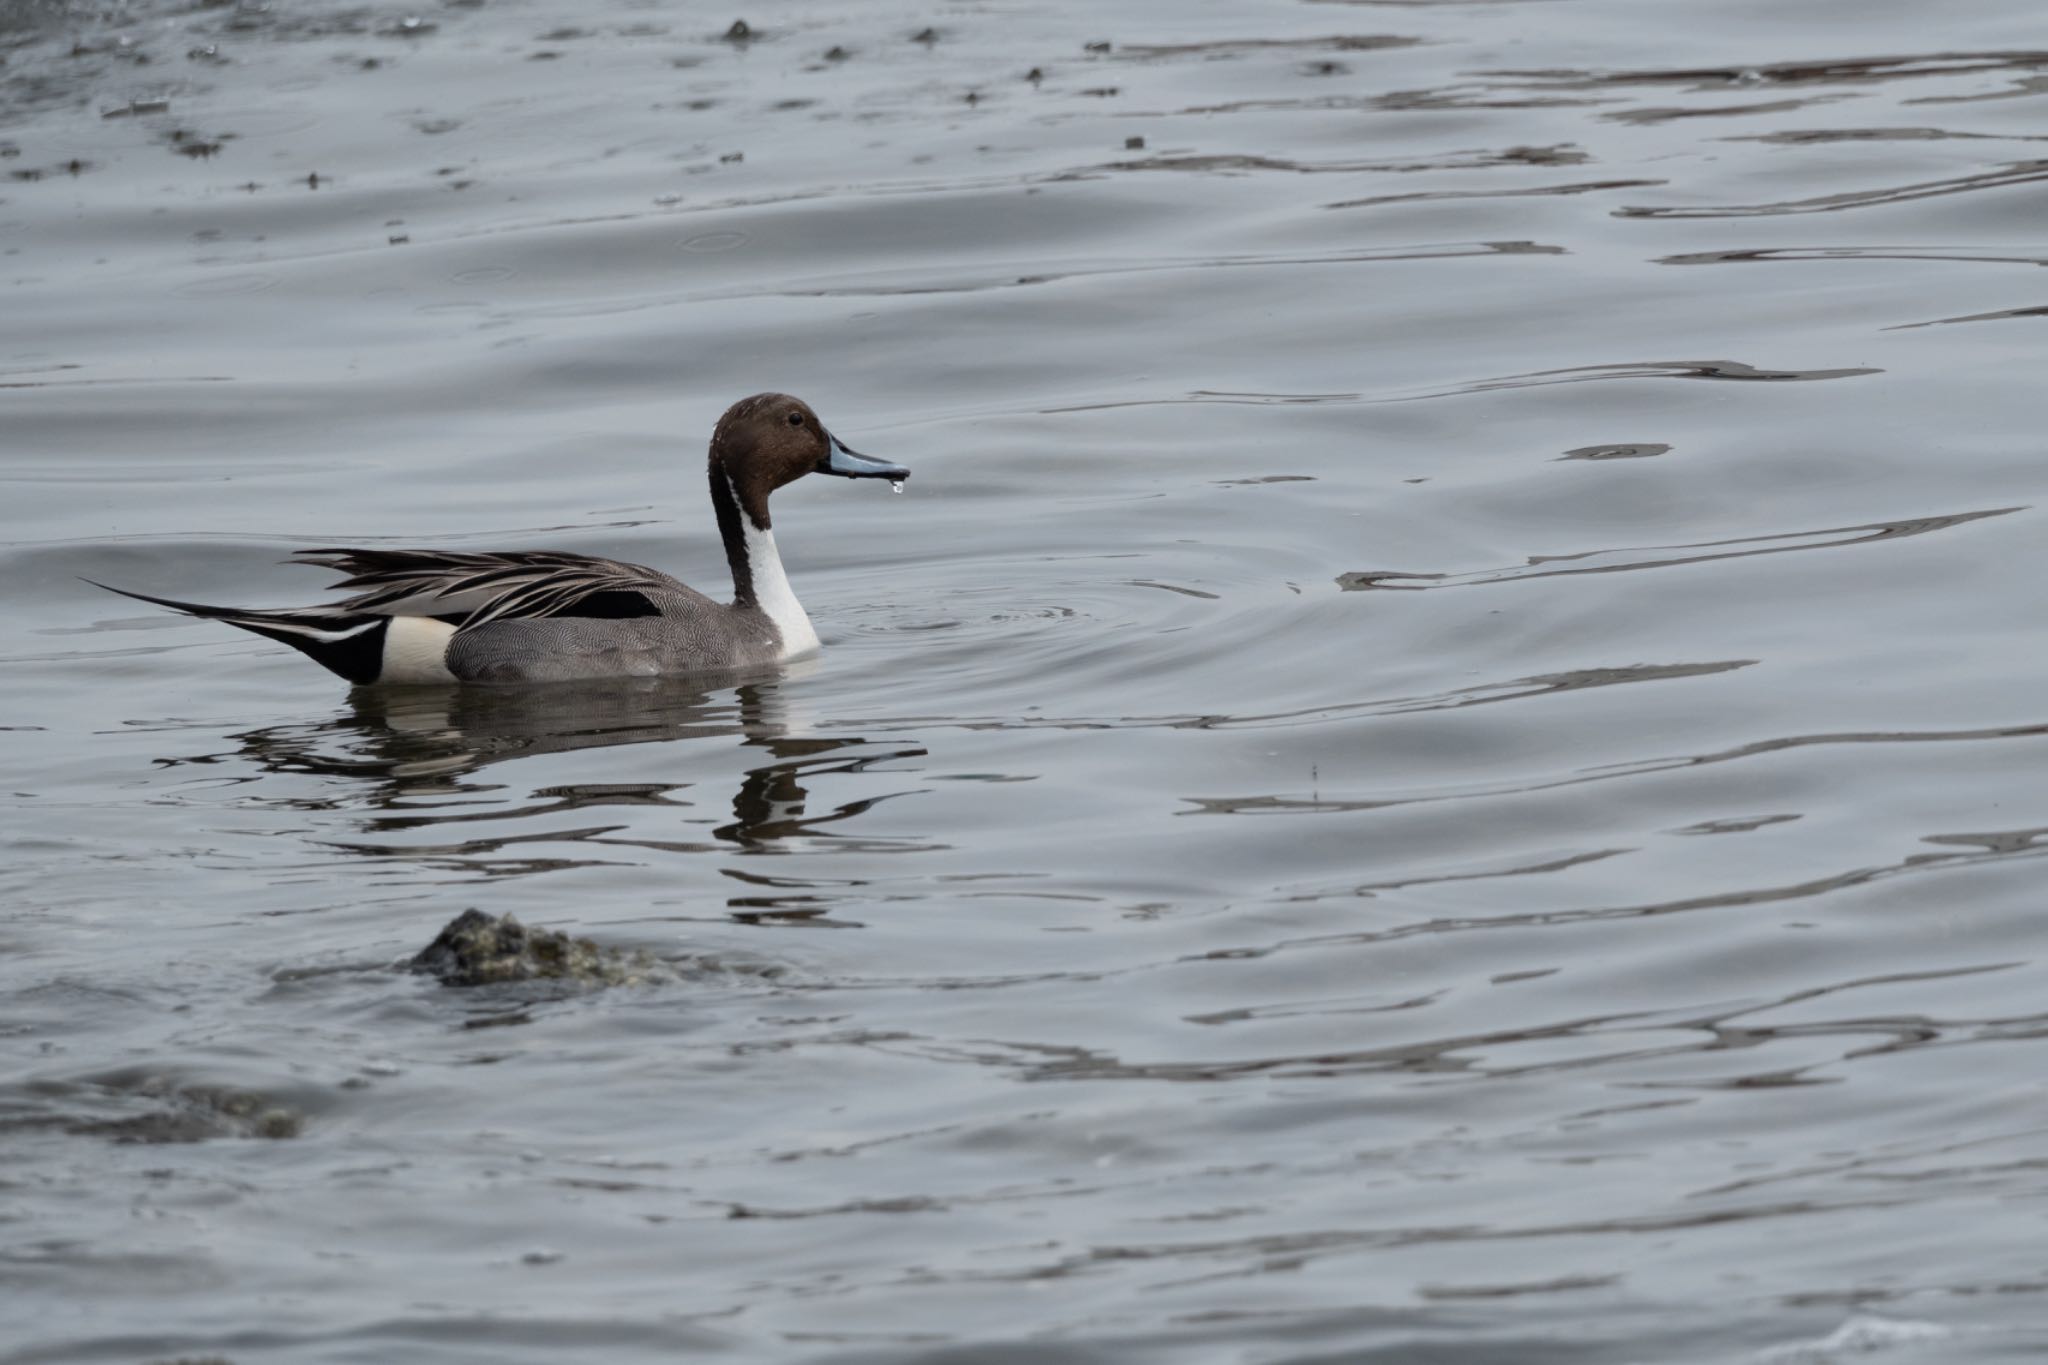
(1439, 763)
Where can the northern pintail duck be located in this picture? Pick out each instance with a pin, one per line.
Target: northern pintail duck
(442, 616)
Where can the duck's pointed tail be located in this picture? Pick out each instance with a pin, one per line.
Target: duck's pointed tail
(350, 644)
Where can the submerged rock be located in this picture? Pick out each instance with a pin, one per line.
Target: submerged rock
(192, 1112)
(482, 950)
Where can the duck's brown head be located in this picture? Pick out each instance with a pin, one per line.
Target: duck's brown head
(772, 439)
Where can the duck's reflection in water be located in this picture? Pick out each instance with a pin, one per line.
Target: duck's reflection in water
(415, 759)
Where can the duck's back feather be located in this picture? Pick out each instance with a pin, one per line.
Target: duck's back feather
(473, 589)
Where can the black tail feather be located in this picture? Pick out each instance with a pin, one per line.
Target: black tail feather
(350, 645)
(189, 608)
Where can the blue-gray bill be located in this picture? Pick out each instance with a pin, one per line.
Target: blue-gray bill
(851, 464)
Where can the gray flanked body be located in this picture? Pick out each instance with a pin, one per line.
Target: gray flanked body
(691, 634)
(434, 616)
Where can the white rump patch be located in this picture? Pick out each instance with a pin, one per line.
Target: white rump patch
(775, 596)
(416, 651)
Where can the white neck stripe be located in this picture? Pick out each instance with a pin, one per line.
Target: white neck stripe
(773, 594)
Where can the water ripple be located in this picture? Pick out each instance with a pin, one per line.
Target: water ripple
(2013, 173)
(1852, 71)
(1788, 254)
(1622, 560)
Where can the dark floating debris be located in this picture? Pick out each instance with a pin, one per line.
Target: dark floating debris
(1366, 580)
(476, 949)
(119, 47)
(190, 144)
(927, 36)
(1035, 74)
(1095, 47)
(1134, 144)
(740, 32)
(1741, 824)
(731, 158)
(1339, 42)
(836, 53)
(133, 108)
(1623, 451)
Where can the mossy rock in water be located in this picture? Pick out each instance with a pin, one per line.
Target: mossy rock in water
(484, 950)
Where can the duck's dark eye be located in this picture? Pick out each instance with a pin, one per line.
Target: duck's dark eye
(796, 419)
